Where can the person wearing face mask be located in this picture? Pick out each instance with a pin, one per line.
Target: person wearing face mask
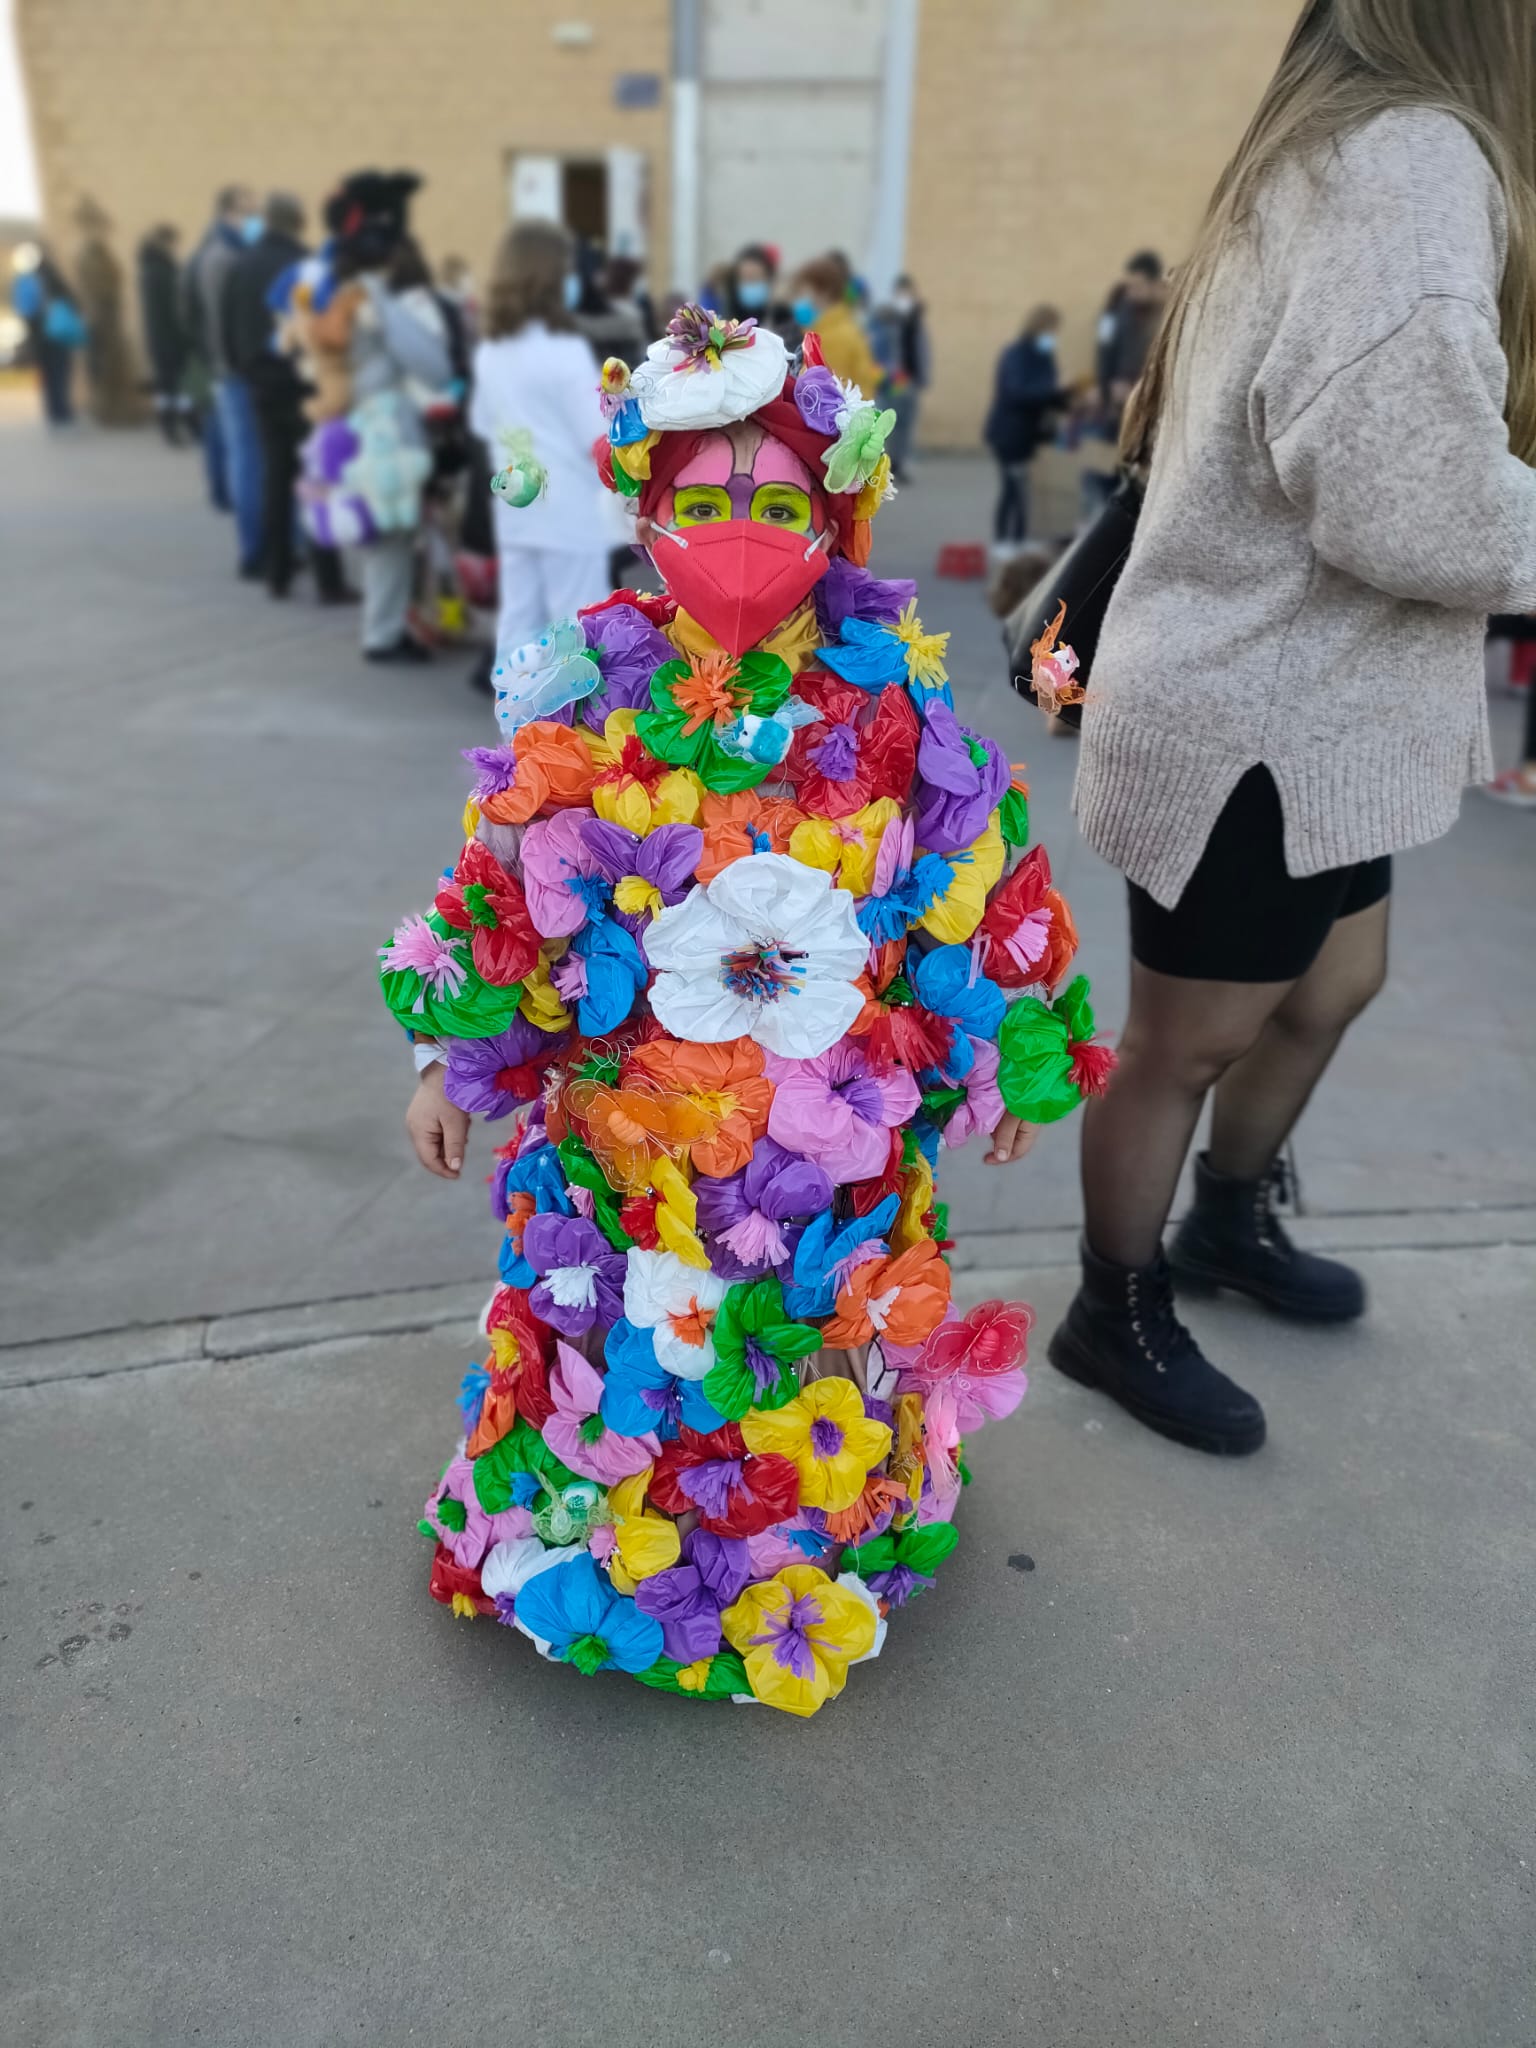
(820, 307)
(535, 375)
(751, 291)
(738, 945)
(1027, 392)
(899, 336)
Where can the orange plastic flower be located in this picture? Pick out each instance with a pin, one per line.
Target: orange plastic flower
(725, 1083)
(741, 824)
(903, 1298)
(554, 769)
(847, 1525)
(1060, 943)
(709, 692)
(630, 1128)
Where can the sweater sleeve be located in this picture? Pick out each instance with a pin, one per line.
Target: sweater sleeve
(1402, 469)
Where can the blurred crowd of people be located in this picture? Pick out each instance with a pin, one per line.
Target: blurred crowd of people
(346, 395)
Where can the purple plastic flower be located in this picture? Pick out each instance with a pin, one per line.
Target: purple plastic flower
(747, 1216)
(581, 1276)
(847, 592)
(961, 779)
(482, 1072)
(661, 865)
(497, 770)
(819, 398)
(688, 1598)
(628, 650)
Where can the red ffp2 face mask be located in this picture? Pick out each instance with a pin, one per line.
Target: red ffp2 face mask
(741, 578)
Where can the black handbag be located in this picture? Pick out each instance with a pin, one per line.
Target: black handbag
(1084, 580)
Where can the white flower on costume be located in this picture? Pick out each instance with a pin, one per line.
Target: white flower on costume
(677, 1304)
(672, 397)
(768, 950)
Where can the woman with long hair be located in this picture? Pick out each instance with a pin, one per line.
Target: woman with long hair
(1339, 416)
(535, 378)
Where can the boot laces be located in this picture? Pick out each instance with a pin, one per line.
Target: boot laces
(1277, 1186)
(1154, 1322)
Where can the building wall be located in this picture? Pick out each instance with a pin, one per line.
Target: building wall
(1051, 138)
(151, 105)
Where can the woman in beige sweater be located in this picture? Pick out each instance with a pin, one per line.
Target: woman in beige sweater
(1340, 414)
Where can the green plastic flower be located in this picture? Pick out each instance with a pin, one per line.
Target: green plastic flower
(698, 699)
(757, 1349)
(1013, 817)
(431, 985)
(720, 1677)
(583, 1171)
(522, 1449)
(1046, 1063)
(850, 461)
(901, 1563)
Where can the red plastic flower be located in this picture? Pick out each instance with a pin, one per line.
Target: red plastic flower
(860, 749)
(733, 1493)
(488, 903)
(895, 1027)
(1033, 937)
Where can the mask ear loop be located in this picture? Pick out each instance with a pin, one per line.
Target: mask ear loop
(820, 541)
(667, 534)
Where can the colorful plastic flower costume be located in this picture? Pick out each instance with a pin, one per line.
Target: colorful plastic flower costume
(744, 933)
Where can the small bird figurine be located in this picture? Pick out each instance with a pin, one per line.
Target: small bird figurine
(523, 478)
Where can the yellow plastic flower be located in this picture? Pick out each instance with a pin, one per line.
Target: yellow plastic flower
(470, 820)
(826, 1436)
(910, 1454)
(635, 790)
(797, 1633)
(694, 1677)
(634, 457)
(845, 848)
(539, 1002)
(795, 642)
(634, 895)
(925, 651)
(870, 499)
(955, 915)
(463, 1607)
(644, 1542)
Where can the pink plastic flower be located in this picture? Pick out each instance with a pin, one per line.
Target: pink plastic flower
(428, 953)
(983, 1104)
(577, 1434)
(976, 1360)
(836, 1110)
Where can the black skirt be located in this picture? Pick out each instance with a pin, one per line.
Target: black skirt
(1241, 916)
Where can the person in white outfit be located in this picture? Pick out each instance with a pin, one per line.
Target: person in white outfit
(535, 374)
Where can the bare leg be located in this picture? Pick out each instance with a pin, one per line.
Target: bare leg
(1261, 1095)
(1179, 1039)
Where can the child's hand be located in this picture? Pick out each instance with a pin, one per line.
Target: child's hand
(438, 1129)
(1010, 1141)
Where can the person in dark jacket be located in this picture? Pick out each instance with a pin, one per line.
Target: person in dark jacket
(224, 409)
(277, 391)
(165, 335)
(1127, 327)
(1027, 393)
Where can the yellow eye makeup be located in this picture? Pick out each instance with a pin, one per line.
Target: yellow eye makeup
(782, 505)
(701, 505)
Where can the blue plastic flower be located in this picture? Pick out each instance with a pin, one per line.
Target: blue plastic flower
(868, 654)
(822, 1249)
(573, 1608)
(641, 1396)
(946, 982)
(602, 973)
(539, 1173)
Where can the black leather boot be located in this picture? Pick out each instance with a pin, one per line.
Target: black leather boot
(1233, 1238)
(1122, 1336)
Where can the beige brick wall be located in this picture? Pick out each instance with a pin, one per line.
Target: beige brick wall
(150, 105)
(1051, 138)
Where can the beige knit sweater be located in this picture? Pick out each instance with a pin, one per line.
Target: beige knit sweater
(1333, 508)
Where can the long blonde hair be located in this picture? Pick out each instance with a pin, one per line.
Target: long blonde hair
(1346, 61)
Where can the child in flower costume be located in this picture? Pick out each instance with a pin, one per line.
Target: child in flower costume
(743, 934)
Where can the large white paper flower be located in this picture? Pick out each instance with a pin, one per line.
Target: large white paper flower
(677, 1304)
(671, 395)
(768, 950)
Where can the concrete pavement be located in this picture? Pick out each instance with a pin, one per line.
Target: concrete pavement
(1177, 1752)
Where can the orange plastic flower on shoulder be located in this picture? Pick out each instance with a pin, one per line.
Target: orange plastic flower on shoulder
(726, 1083)
(903, 1299)
(746, 822)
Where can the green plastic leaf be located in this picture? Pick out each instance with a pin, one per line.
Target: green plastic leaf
(1013, 818)
(583, 1171)
(522, 1449)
